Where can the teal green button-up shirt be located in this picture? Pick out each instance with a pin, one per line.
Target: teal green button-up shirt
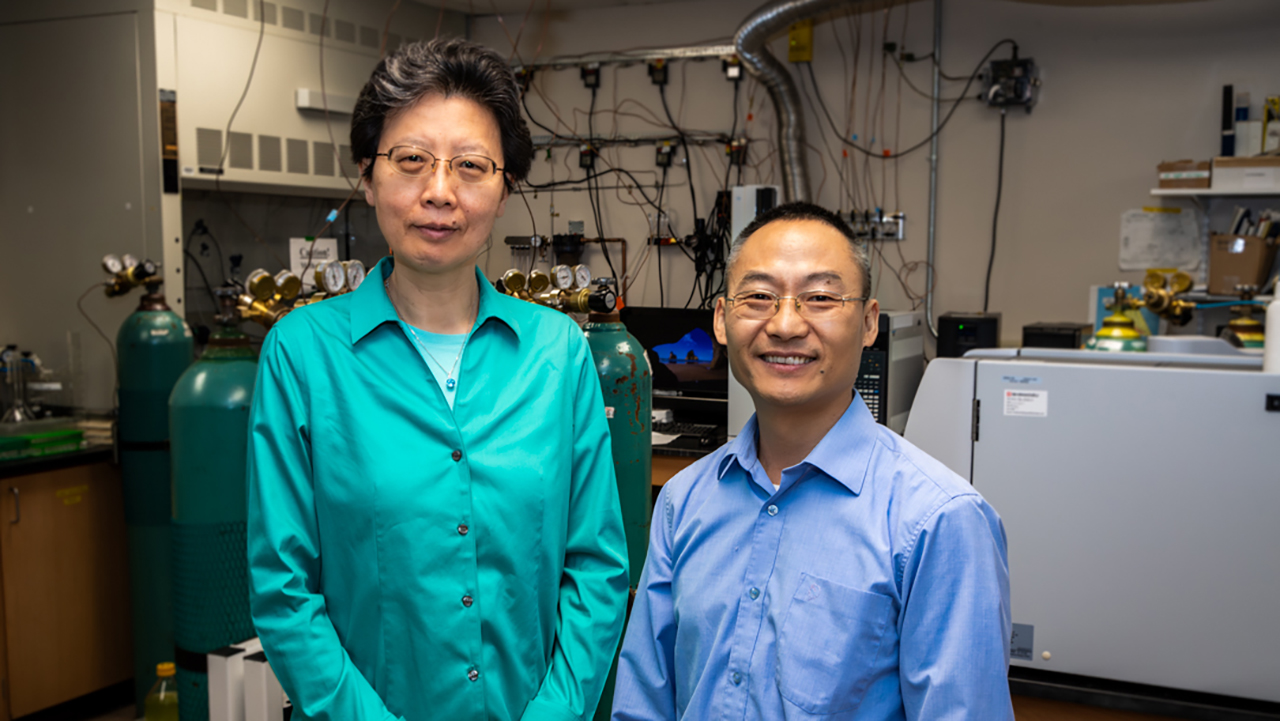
(409, 561)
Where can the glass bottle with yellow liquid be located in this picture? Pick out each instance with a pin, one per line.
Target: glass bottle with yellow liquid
(162, 702)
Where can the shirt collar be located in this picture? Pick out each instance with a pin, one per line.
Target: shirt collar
(844, 453)
(370, 306)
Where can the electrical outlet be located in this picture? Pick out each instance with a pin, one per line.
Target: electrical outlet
(1011, 83)
(524, 76)
(736, 149)
(662, 157)
(732, 68)
(875, 225)
(658, 71)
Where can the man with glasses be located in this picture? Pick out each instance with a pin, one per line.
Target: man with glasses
(819, 565)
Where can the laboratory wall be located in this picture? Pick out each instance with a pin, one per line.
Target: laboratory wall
(1125, 86)
(80, 152)
(72, 187)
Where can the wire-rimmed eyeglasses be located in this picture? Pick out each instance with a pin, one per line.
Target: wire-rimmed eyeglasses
(414, 162)
(811, 304)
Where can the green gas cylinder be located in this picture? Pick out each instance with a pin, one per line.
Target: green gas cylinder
(1119, 332)
(154, 347)
(209, 425)
(627, 384)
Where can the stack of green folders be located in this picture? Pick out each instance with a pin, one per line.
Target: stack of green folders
(48, 443)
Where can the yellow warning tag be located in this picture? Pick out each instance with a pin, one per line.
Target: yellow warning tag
(73, 495)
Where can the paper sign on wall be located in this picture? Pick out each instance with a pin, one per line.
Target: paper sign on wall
(1025, 403)
(303, 260)
(1161, 238)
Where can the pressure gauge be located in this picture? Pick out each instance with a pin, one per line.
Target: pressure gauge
(288, 285)
(539, 281)
(128, 260)
(513, 281)
(112, 264)
(562, 277)
(581, 276)
(1181, 282)
(260, 284)
(355, 273)
(331, 276)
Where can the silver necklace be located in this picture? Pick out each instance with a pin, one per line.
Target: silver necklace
(449, 382)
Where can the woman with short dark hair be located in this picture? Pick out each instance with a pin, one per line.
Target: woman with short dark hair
(434, 530)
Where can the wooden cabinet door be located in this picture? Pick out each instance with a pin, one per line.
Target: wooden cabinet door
(64, 563)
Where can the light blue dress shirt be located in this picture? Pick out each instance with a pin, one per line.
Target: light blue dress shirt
(872, 585)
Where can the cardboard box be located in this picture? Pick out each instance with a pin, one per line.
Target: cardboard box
(1184, 174)
(1238, 260)
(1260, 174)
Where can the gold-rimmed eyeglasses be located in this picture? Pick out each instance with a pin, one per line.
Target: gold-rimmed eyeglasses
(414, 162)
(811, 304)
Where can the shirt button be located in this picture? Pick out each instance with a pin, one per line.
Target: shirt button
(736, 678)
(473, 674)
(457, 455)
(467, 601)
(773, 510)
(754, 593)
(462, 529)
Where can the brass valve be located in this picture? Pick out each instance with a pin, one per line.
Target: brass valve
(600, 299)
(539, 282)
(129, 273)
(513, 283)
(269, 298)
(1160, 291)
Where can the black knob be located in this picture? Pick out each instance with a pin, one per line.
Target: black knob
(602, 300)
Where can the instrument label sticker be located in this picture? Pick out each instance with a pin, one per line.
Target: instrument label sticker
(1020, 644)
(1026, 404)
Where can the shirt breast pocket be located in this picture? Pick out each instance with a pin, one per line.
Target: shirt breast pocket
(829, 643)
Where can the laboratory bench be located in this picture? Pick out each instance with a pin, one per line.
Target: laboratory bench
(64, 580)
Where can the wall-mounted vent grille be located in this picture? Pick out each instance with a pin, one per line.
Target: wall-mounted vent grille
(205, 4)
(292, 18)
(349, 168)
(240, 151)
(323, 158)
(238, 8)
(298, 156)
(368, 37)
(208, 147)
(269, 153)
(261, 9)
(344, 31)
(318, 23)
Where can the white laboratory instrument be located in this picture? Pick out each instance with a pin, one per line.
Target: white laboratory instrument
(1140, 494)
